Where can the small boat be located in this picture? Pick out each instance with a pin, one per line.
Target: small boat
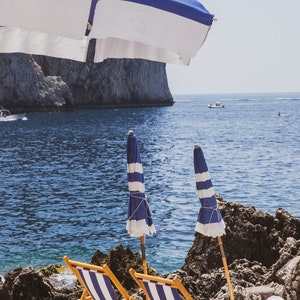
(216, 105)
(5, 115)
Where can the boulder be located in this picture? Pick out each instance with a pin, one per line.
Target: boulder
(25, 284)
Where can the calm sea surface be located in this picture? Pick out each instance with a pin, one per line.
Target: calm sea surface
(63, 181)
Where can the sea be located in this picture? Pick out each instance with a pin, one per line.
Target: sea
(63, 180)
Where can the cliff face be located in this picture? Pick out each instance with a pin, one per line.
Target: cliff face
(35, 83)
(24, 87)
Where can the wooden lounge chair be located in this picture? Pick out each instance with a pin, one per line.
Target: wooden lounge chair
(99, 283)
(157, 288)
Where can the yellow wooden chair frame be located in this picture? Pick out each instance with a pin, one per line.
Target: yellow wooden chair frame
(174, 283)
(74, 265)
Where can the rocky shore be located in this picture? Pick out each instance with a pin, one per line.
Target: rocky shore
(261, 250)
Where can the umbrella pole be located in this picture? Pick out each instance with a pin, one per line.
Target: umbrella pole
(142, 239)
(225, 267)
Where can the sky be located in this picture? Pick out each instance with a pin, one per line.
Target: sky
(253, 47)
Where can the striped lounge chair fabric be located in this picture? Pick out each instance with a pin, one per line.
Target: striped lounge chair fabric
(158, 288)
(99, 283)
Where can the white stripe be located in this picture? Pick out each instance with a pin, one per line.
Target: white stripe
(14, 40)
(103, 286)
(101, 282)
(89, 284)
(66, 18)
(136, 186)
(211, 229)
(148, 25)
(118, 48)
(139, 228)
(152, 287)
(135, 168)
(207, 193)
(168, 292)
(202, 177)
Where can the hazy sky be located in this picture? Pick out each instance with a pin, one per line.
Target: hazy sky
(254, 46)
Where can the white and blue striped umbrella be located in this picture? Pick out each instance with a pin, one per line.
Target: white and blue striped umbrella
(210, 221)
(169, 31)
(139, 219)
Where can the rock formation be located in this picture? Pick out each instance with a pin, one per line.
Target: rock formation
(39, 83)
(261, 250)
(112, 83)
(24, 87)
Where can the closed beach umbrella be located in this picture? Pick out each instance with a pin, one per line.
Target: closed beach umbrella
(210, 221)
(139, 218)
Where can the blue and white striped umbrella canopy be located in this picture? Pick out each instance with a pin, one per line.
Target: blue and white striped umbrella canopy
(169, 31)
(210, 221)
(139, 219)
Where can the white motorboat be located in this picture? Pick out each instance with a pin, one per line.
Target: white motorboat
(5, 115)
(216, 105)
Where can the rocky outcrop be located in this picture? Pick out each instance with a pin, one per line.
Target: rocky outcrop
(29, 284)
(39, 83)
(112, 83)
(261, 250)
(24, 87)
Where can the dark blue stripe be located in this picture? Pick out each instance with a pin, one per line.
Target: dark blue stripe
(207, 216)
(199, 161)
(146, 284)
(190, 9)
(133, 151)
(175, 294)
(138, 209)
(96, 285)
(110, 287)
(160, 292)
(91, 15)
(87, 285)
(92, 11)
(133, 177)
(209, 202)
(203, 185)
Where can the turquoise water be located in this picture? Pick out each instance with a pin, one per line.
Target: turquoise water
(63, 187)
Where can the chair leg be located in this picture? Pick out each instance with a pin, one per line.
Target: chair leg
(84, 294)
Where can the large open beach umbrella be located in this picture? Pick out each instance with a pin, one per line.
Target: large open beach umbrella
(45, 27)
(139, 218)
(210, 221)
(170, 31)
